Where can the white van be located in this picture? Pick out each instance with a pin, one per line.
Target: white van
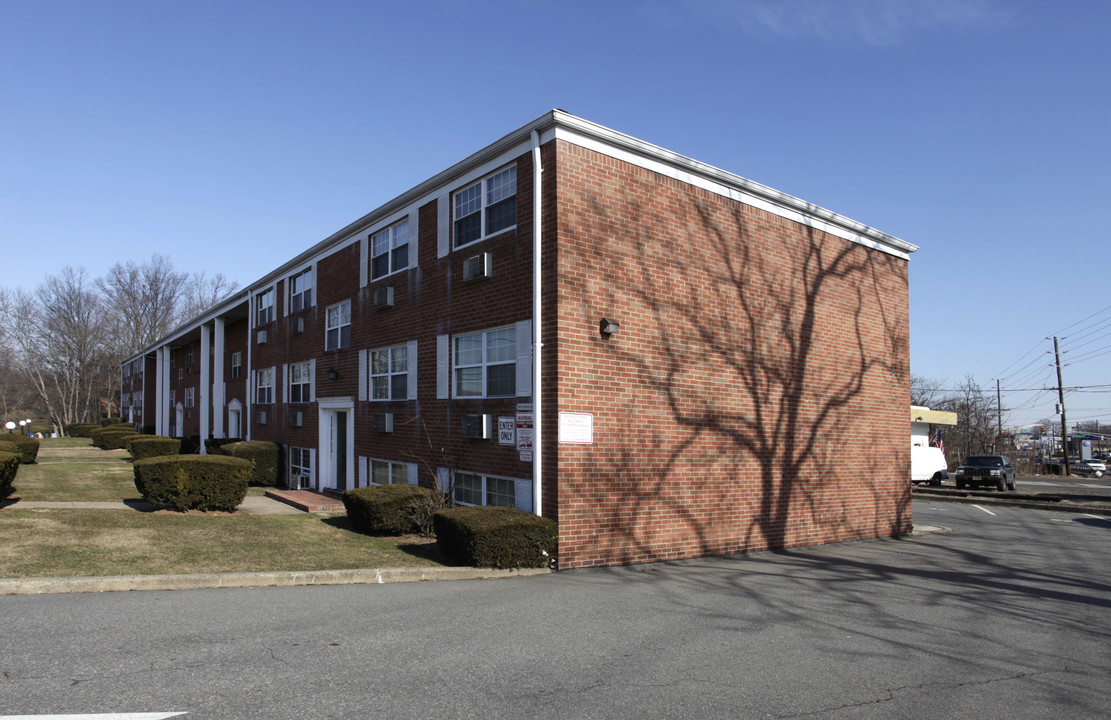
(927, 464)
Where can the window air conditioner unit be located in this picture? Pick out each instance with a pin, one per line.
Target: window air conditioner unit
(298, 325)
(477, 267)
(383, 422)
(263, 336)
(299, 482)
(296, 419)
(478, 427)
(383, 297)
(260, 417)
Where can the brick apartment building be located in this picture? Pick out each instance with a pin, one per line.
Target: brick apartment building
(670, 360)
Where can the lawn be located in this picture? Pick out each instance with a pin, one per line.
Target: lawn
(57, 542)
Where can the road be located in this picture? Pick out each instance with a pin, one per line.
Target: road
(1056, 485)
(1004, 617)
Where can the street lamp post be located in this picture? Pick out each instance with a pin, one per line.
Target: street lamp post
(11, 426)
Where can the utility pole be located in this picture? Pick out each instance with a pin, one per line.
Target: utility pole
(998, 417)
(1061, 400)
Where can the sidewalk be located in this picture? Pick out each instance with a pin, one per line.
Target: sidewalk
(251, 505)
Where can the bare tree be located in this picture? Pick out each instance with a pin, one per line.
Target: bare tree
(59, 335)
(924, 391)
(203, 292)
(142, 302)
(977, 424)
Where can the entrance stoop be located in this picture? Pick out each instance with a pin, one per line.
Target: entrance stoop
(307, 500)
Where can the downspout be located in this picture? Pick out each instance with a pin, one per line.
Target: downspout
(537, 345)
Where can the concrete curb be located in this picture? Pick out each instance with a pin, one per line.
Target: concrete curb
(121, 583)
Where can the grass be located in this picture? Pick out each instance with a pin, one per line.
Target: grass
(57, 542)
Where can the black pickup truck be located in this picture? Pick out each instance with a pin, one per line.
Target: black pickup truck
(995, 470)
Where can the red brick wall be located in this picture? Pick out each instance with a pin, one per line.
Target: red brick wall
(755, 395)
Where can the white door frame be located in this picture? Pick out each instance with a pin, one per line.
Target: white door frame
(326, 449)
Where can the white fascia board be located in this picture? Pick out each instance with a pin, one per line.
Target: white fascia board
(684, 169)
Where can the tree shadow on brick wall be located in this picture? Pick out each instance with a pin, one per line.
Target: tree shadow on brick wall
(734, 335)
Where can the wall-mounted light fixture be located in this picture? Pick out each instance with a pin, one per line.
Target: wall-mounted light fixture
(333, 374)
(608, 326)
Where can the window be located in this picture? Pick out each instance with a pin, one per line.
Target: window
(180, 377)
(337, 332)
(300, 291)
(471, 489)
(236, 364)
(300, 467)
(389, 250)
(264, 386)
(389, 373)
(189, 355)
(486, 364)
(383, 472)
(264, 307)
(190, 397)
(487, 207)
(300, 382)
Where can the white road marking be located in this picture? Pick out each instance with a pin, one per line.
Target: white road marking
(978, 507)
(1097, 517)
(102, 716)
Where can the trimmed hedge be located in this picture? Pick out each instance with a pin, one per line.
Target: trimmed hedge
(105, 422)
(95, 433)
(145, 446)
(117, 439)
(499, 537)
(264, 457)
(388, 509)
(81, 429)
(193, 482)
(27, 448)
(9, 466)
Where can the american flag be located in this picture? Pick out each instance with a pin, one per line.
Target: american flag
(937, 442)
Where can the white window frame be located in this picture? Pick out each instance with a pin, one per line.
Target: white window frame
(297, 466)
(458, 369)
(388, 376)
(300, 374)
(385, 243)
(335, 324)
(264, 381)
(300, 290)
(480, 197)
(236, 364)
(264, 308)
(400, 473)
(489, 487)
(190, 397)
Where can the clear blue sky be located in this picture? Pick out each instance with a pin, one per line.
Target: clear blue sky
(231, 135)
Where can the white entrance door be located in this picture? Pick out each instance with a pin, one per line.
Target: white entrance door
(337, 444)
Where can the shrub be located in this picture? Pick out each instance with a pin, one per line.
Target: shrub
(193, 482)
(145, 446)
(496, 537)
(117, 439)
(264, 457)
(9, 466)
(105, 422)
(386, 509)
(96, 432)
(214, 445)
(27, 448)
(80, 429)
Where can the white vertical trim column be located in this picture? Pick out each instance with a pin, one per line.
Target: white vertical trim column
(537, 344)
(219, 390)
(205, 400)
(164, 381)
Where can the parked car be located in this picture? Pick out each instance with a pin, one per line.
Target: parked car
(1096, 467)
(995, 470)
